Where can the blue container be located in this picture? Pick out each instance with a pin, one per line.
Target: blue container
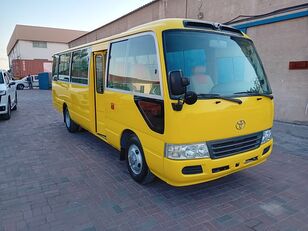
(44, 81)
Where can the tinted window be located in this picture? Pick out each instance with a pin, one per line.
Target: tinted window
(99, 73)
(80, 62)
(55, 66)
(1, 78)
(133, 66)
(64, 66)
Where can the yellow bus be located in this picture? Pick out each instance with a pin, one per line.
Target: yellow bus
(187, 101)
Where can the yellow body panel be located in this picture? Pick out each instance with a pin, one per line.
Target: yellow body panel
(204, 121)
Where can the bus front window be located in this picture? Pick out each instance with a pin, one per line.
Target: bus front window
(215, 63)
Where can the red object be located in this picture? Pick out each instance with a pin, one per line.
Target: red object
(24, 67)
(151, 108)
(298, 65)
(112, 106)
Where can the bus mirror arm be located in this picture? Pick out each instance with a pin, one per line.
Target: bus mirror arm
(178, 87)
(189, 98)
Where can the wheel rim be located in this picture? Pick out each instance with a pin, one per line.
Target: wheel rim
(135, 159)
(67, 118)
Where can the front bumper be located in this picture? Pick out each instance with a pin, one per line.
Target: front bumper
(212, 168)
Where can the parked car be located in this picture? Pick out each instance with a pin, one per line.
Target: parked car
(8, 95)
(22, 83)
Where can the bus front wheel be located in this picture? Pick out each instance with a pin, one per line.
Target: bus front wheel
(136, 164)
(70, 124)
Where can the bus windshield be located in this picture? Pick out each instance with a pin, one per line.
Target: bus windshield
(215, 63)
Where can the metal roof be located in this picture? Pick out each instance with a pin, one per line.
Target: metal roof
(46, 34)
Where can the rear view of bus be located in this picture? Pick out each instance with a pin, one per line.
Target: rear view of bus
(228, 128)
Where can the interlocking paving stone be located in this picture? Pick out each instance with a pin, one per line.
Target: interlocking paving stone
(54, 180)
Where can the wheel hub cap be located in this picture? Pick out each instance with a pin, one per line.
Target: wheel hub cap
(135, 159)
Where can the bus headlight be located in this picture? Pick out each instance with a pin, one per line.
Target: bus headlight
(186, 151)
(267, 135)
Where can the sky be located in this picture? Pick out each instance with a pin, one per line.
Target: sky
(83, 15)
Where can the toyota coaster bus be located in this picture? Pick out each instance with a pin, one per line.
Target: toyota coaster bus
(184, 100)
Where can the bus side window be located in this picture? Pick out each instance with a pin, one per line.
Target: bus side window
(64, 67)
(55, 67)
(133, 66)
(80, 65)
(99, 72)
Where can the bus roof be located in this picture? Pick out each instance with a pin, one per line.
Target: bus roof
(164, 24)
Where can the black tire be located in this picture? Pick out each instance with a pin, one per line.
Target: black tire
(69, 123)
(7, 116)
(20, 87)
(141, 174)
(15, 107)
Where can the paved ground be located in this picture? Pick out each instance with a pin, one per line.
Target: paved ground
(53, 180)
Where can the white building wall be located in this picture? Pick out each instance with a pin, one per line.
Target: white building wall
(27, 51)
(15, 53)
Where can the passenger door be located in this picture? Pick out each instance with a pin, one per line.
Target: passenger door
(35, 81)
(100, 104)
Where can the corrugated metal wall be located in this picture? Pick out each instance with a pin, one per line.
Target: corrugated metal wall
(23, 67)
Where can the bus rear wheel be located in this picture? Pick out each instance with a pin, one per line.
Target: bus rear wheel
(70, 124)
(136, 164)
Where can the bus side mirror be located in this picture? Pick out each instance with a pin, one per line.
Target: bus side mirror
(177, 83)
(177, 86)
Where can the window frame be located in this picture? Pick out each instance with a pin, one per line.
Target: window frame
(55, 73)
(38, 43)
(104, 56)
(89, 51)
(153, 34)
(61, 77)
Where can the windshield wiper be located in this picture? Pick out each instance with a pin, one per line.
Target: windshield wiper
(217, 96)
(253, 93)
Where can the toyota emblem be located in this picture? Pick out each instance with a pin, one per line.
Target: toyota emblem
(240, 124)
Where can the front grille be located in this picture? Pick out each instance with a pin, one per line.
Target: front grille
(232, 146)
